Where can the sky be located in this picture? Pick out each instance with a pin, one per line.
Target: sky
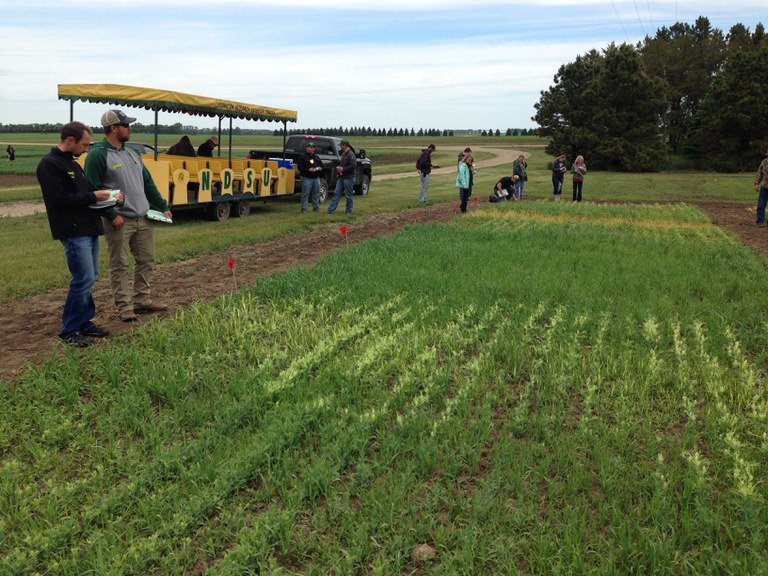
(445, 64)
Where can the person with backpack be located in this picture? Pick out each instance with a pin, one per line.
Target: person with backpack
(424, 167)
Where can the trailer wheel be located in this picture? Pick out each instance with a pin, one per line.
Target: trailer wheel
(219, 211)
(322, 196)
(365, 184)
(242, 208)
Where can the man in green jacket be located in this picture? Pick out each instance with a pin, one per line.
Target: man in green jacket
(111, 164)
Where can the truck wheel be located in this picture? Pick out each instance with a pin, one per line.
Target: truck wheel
(219, 211)
(323, 195)
(242, 208)
(365, 184)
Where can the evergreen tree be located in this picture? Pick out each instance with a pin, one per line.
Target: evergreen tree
(730, 129)
(606, 107)
(685, 59)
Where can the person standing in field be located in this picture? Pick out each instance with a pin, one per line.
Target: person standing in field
(761, 187)
(111, 164)
(346, 178)
(579, 169)
(10, 152)
(463, 180)
(424, 166)
(558, 175)
(310, 167)
(67, 197)
(207, 147)
(520, 169)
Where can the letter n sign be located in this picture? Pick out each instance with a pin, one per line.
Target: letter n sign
(266, 180)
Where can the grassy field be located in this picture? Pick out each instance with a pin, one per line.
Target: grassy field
(43, 265)
(537, 388)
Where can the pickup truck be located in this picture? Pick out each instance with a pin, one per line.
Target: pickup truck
(328, 149)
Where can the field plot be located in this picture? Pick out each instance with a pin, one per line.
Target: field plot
(537, 388)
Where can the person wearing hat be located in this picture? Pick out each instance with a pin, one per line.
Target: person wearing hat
(346, 178)
(424, 166)
(207, 147)
(111, 164)
(761, 187)
(558, 176)
(310, 168)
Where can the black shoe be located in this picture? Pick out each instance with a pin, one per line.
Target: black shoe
(94, 331)
(78, 340)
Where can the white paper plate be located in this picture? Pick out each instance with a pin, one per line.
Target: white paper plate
(103, 204)
(158, 216)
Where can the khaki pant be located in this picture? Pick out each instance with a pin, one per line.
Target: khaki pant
(135, 236)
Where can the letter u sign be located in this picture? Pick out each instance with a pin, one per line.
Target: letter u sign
(266, 178)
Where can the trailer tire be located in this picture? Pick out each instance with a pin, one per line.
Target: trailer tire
(242, 208)
(323, 195)
(219, 211)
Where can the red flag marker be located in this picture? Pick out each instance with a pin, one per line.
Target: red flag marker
(343, 230)
(231, 265)
(477, 200)
(417, 214)
(456, 208)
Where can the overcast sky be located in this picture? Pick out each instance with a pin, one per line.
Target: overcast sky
(381, 63)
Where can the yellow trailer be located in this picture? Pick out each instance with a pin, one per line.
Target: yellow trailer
(223, 184)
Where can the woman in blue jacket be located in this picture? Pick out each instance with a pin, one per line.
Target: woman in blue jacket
(463, 180)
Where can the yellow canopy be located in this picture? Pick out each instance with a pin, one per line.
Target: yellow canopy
(168, 101)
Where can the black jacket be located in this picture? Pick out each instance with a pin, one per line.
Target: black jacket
(307, 161)
(67, 195)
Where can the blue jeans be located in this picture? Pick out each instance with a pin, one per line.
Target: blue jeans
(346, 185)
(762, 202)
(310, 188)
(465, 193)
(424, 186)
(82, 254)
(519, 185)
(557, 184)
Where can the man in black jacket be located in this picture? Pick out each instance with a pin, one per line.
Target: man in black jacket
(310, 167)
(424, 166)
(67, 199)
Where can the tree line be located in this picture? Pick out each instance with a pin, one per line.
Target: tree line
(179, 128)
(689, 90)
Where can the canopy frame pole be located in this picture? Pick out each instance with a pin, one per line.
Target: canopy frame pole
(71, 110)
(285, 136)
(156, 128)
(230, 142)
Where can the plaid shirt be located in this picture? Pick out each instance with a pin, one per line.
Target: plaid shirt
(761, 177)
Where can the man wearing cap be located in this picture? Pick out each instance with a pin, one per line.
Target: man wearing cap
(424, 166)
(346, 178)
(68, 198)
(761, 187)
(207, 147)
(311, 168)
(111, 164)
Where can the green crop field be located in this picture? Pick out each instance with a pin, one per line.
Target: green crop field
(533, 388)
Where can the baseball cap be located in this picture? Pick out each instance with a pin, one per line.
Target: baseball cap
(214, 139)
(345, 143)
(432, 146)
(112, 117)
(311, 144)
